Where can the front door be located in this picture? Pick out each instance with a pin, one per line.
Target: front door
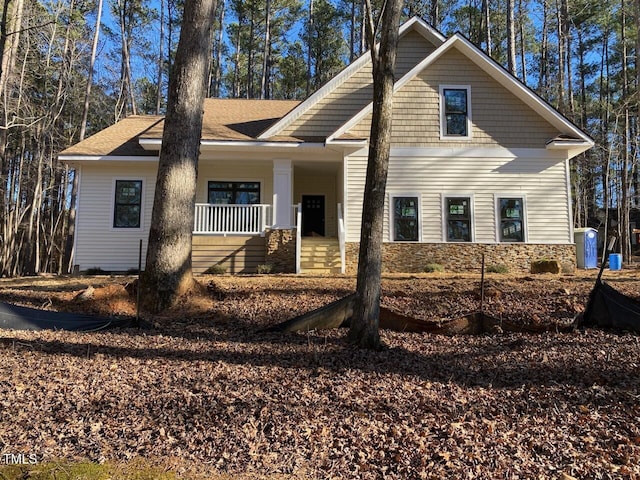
(313, 215)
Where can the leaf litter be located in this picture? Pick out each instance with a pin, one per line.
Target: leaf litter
(200, 385)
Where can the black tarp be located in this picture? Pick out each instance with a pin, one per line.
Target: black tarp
(24, 318)
(608, 308)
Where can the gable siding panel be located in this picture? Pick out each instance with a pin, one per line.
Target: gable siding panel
(499, 118)
(541, 181)
(337, 107)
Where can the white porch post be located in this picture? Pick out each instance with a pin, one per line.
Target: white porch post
(282, 193)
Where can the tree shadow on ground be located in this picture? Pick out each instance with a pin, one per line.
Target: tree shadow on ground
(509, 361)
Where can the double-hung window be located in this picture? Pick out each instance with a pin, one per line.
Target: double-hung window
(127, 208)
(458, 221)
(455, 112)
(511, 227)
(405, 218)
(234, 193)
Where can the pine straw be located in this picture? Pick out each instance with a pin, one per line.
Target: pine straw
(204, 391)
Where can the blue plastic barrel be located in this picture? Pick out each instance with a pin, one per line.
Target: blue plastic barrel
(615, 261)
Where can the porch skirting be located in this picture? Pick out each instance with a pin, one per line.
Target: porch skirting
(244, 253)
(463, 257)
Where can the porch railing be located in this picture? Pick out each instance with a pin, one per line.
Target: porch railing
(341, 237)
(231, 219)
(298, 217)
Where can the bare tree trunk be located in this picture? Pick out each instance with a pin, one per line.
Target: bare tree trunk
(11, 39)
(511, 38)
(486, 19)
(168, 264)
(92, 62)
(364, 329)
(217, 73)
(309, 42)
(523, 55)
(160, 60)
(266, 60)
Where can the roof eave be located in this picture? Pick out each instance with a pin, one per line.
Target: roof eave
(573, 148)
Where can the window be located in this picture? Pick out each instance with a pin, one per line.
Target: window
(128, 204)
(405, 218)
(234, 193)
(511, 218)
(455, 111)
(458, 219)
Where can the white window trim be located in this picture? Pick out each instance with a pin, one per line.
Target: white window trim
(496, 201)
(234, 179)
(443, 119)
(393, 195)
(113, 204)
(445, 215)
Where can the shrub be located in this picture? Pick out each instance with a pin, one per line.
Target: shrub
(433, 267)
(545, 265)
(216, 270)
(264, 268)
(95, 271)
(132, 271)
(498, 268)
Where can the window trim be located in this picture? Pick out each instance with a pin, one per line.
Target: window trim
(443, 117)
(391, 212)
(114, 183)
(496, 200)
(445, 217)
(260, 183)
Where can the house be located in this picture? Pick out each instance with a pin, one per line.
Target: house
(479, 164)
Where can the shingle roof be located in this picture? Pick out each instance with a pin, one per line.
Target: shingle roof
(120, 139)
(223, 119)
(235, 119)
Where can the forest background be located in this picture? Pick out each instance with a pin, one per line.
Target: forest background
(72, 67)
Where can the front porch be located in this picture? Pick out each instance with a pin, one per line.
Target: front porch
(240, 238)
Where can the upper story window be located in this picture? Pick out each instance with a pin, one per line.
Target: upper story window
(405, 218)
(458, 219)
(234, 193)
(127, 207)
(511, 219)
(455, 111)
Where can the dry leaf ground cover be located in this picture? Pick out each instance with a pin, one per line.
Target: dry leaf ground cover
(199, 391)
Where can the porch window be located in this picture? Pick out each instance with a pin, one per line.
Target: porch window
(128, 204)
(458, 219)
(455, 111)
(405, 218)
(234, 193)
(511, 219)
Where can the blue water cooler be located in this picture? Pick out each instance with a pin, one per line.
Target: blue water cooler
(586, 247)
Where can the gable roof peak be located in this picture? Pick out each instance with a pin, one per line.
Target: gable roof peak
(413, 24)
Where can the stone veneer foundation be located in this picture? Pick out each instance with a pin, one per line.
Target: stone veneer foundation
(281, 250)
(462, 257)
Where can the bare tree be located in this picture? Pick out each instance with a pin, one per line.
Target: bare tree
(168, 264)
(364, 330)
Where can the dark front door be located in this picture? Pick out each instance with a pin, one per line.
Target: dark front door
(313, 215)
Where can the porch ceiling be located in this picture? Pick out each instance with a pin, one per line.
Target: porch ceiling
(316, 168)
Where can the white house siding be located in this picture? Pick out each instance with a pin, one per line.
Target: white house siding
(98, 244)
(535, 174)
